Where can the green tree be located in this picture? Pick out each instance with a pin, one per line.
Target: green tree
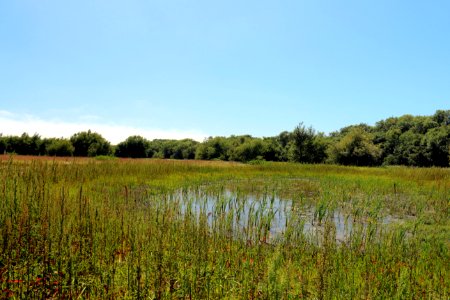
(272, 150)
(437, 146)
(24, 144)
(213, 148)
(175, 149)
(284, 139)
(87, 143)
(307, 146)
(162, 148)
(186, 148)
(59, 147)
(134, 146)
(389, 143)
(355, 148)
(442, 117)
(408, 140)
(409, 150)
(250, 149)
(3, 144)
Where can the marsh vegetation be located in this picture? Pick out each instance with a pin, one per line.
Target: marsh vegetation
(164, 229)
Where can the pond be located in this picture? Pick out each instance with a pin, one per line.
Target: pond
(269, 218)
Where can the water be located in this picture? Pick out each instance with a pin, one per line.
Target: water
(270, 218)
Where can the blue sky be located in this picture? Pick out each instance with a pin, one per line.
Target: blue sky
(198, 68)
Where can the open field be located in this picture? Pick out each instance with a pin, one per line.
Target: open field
(164, 229)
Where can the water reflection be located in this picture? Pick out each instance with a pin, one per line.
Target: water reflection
(269, 218)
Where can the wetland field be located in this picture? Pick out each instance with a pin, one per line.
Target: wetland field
(163, 229)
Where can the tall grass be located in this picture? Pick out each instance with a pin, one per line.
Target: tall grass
(154, 229)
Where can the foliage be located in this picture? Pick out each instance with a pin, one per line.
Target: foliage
(87, 143)
(273, 151)
(436, 144)
(355, 148)
(24, 144)
(213, 148)
(406, 140)
(414, 141)
(175, 149)
(250, 149)
(134, 146)
(283, 140)
(442, 117)
(306, 146)
(59, 147)
(3, 144)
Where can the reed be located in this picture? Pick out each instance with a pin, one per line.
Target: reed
(161, 229)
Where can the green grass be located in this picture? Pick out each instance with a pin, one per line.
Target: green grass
(145, 229)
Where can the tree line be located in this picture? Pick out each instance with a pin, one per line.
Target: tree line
(406, 140)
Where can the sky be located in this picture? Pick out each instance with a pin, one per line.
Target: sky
(193, 69)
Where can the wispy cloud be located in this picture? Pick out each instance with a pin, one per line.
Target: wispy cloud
(15, 124)
(6, 114)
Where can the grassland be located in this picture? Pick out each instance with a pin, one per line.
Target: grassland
(162, 229)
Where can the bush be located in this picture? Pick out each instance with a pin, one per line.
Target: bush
(134, 146)
(59, 147)
(355, 148)
(89, 143)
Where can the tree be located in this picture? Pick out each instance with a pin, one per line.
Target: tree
(89, 143)
(213, 148)
(437, 146)
(307, 146)
(3, 144)
(410, 151)
(442, 117)
(24, 144)
(250, 149)
(59, 147)
(175, 149)
(162, 148)
(413, 140)
(284, 139)
(272, 150)
(134, 146)
(355, 148)
(389, 142)
(186, 148)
